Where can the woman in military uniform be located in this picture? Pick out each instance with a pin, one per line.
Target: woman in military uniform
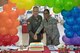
(50, 26)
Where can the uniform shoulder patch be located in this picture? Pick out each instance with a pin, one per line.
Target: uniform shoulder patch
(28, 22)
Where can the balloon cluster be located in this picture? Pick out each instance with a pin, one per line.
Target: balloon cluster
(71, 41)
(72, 24)
(58, 5)
(24, 4)
(9, 24)
(8, 40)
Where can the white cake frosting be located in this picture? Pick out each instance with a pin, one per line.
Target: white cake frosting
(36, 46)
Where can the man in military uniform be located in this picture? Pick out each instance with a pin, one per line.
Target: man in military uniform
(33, 23)
(50, 27)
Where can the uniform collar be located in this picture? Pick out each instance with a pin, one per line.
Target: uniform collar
(35, 17)
(48, 19)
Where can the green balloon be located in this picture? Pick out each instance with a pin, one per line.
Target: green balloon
(40, 2)
(75, 2)
(37, 2)
(78, 2)
(50, 3)
(58, 3)
(57, 9)
(58, 6)
(68, 5)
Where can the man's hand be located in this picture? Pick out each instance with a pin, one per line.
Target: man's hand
(35, 37)
(62, 22)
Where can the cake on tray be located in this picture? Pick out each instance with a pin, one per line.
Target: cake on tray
(36, 46)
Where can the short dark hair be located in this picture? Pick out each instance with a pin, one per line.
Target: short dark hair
(35, 7)
(46, 10)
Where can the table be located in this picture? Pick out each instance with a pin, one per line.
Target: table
(46, 50)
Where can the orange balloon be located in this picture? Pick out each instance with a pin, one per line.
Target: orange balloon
(16, 23)
(0, 14)
(8, 23)
(4, 15)
(13, 1)
(13, 15)
(20, 11)
(9, 1)
(6, 7)
(11, 4)
(3, 31)
(0, 21)
(3, 24)
(13, 31)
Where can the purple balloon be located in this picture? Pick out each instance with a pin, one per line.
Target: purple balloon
(75, 41)
(66, 40)
(71, 41)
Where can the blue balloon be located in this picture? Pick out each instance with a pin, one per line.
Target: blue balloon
(69, 34)
(78, 20)
(66, 26)
(70, 21)
(75, 12)
(78, 33)
(65, 13)
(65, 18)
(76, 28)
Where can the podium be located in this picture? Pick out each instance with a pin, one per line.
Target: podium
(24, 28)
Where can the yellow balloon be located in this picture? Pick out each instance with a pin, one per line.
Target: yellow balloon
(25, 4)
(20, 4)
(29, 4)
(14, 1)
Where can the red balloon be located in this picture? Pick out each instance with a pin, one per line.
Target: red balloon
(7, 40)
(1, 43)
(1, 37)
(15, 39)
